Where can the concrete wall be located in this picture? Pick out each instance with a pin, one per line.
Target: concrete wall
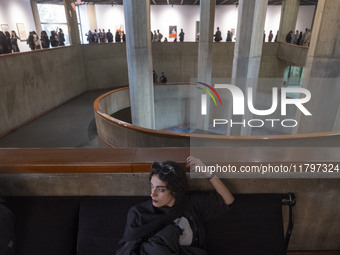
(292, 55)
(179, 61)
(32, 83)
(105, 66)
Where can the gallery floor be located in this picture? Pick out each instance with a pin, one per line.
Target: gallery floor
(70, 125)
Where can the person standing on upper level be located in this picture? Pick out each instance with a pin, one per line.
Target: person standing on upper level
(117, 37)
(289, 37)
(109, 36)
(296, 36)
(218, 35)
(159, 36)
(14, 41)
(270, 36)
(229, 39)
(61, 37)
(181, 35)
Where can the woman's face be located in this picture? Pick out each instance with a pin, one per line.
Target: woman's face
(160, 194)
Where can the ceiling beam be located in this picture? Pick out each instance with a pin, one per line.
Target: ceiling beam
(223, 2)
(154, 2)
(195, 2)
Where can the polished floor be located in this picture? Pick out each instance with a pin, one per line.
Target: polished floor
(71, 125)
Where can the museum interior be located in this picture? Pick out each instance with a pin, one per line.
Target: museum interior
(88, 118)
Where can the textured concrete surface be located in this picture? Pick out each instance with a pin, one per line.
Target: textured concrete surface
(70, 125)
(139, 58)
(321, 75)
(289, 14)
(34, 82)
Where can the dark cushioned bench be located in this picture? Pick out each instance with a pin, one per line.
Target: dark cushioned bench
(94, 225)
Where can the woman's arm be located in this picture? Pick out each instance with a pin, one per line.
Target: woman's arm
(214, 180)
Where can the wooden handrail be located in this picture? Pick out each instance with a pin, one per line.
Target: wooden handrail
(139, 160)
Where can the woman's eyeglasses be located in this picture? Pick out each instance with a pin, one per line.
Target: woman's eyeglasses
(164, 168)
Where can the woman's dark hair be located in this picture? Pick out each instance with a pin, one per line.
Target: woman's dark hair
(173, 175)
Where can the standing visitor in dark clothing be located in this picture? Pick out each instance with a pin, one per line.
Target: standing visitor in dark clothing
(228, 36)
(270, 36)
(155, 38)
(90, 37)
(109, 36)
(117, 37)
(218, 35)
(14, 41)
(45, 42)
(8, 42)
(61, 37)
(36, 40)
(159, 36)
(53, 39)
(163, 78)
(299, 40)
(4, 49)
(289, 37)
(154, 76)
(103, 36)
(30, 41)
(296, 36)
(181, 36)
(123, 35)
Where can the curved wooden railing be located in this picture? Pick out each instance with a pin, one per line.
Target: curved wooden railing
(166, 138)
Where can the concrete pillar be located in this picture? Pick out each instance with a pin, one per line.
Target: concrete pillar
(72, 22)
(207, 17)
(289, 14)
(322, 75)
(247, 54)
(36, 17)
(91, 12)
(139, 58)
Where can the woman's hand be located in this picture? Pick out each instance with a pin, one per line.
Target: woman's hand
(193, 162)
(219, 186)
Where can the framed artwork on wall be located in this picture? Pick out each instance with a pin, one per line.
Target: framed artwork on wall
(4, 28)
(21, 31)
(172, 31)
